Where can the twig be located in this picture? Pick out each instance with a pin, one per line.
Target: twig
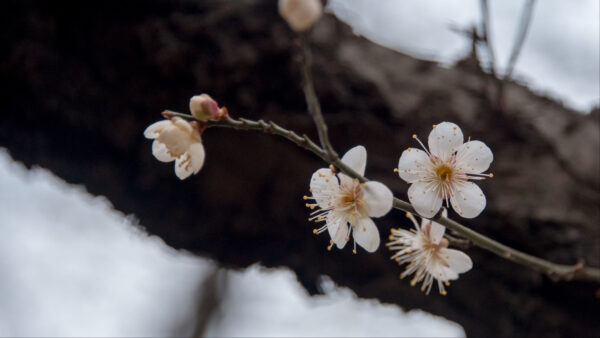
(312, 101)
(522, 33)
(485, 26)
(555, 271)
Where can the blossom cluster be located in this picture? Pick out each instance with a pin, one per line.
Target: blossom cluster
(345, 206)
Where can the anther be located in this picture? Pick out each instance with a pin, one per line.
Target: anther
(347, 239)
(395, 170)
(444, 293)
(304, 197)
(354, 251)
(414, 136)
(315, 232)
(447, 283)
(491, 175)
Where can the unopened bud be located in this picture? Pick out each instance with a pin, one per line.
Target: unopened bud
(300, 14)
(203, 107)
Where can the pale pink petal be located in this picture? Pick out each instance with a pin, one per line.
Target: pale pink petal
(324, 185)
(337, 228)
(356, 158)
(378, 197)
(346, 181)
(443, 272)
(468, 200)
(366, 234)
(457, 260)
(413, 165)
(183, 125)
(159, 150)
(474, 157)
(154, 129)
(197, 156)
(425, 199)
(445, 139)
(436, 232)
(183, 167)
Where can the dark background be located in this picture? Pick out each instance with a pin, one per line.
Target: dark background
(81, 80)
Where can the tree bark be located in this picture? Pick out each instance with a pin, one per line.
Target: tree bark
(81, 81)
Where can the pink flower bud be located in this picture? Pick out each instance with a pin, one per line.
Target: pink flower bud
(204, 108)
(300, 14)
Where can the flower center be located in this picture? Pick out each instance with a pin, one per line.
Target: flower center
(349, 199)
(351, 202)
(444, 173)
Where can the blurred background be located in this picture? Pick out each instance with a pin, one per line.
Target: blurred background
(97, 238)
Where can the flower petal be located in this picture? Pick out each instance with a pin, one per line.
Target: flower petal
(366, 234)
(154, 129)
(468, 200)
(378, 197)
(159, 150)
(413, 165)
(424, 198)
(457, 260)
(347, 181)
(442, 271)
(356, 158)
(444, 140)
(337, 228)
(324, 185)
(474, 157)
(197, 156)
(436, 232)
(183, 167)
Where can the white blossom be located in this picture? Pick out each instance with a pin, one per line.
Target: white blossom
(300, 14)
(177, 140)
(426, 251)
(443, 172)
(346, 205)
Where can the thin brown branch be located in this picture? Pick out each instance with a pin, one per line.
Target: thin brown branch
(555, 271)
(312, 101)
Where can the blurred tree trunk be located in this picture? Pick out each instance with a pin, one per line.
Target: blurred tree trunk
(81, 80)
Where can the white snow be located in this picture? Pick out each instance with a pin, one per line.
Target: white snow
(71, 265)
